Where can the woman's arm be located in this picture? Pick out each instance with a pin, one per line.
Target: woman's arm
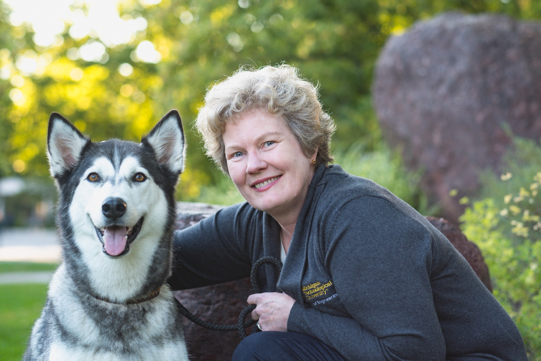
(211, 251)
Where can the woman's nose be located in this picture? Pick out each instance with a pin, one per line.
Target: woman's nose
(255, 163)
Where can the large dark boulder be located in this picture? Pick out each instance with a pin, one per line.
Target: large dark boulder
(221, 304)
(446, 90)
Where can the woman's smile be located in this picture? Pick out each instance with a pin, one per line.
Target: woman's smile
(265, 184)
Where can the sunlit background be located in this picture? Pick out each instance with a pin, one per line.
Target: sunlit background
(115, 67)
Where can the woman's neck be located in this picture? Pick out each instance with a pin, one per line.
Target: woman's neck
(288, 219)
(286, 235)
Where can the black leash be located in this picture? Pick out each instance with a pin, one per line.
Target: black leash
(241, 324)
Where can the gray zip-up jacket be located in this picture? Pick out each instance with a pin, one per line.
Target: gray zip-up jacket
(370, 276)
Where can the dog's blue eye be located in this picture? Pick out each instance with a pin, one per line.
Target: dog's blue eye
(139, 177)
(93, 177)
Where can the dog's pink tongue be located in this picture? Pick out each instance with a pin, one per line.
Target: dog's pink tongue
(115, 240)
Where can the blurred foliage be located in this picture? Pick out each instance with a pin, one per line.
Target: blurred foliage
(506, 225)
(521, 164)
(334, 43)
(221, 191)
(385, 167)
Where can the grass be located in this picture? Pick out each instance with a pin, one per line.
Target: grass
(20, 306)
(6, 267)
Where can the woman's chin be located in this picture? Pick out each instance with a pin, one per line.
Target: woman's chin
(264, 204)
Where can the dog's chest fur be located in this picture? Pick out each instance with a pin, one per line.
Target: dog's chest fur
(77, 326)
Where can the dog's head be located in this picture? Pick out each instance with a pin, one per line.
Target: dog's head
(116, 192)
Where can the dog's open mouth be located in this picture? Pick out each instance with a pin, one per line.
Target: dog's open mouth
(116, 240)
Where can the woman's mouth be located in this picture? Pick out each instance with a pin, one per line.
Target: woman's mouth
(265, 183)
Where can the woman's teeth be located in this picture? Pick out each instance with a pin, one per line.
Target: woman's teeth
(262, 184)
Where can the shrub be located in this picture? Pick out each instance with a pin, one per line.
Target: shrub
(506, 225)
(222, 192)
(386, 168)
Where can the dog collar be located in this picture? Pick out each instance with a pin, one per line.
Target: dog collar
(133, 301)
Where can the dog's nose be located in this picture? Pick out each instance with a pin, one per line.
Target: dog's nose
(113, 208)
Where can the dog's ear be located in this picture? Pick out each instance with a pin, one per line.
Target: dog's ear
(64, 144)
(167, 141)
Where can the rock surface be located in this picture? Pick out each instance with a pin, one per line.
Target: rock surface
(446, 90)
(468, 249)
(218, 304)
(221, 304)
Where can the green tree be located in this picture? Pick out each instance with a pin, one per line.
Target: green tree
(6, 43)
(334, 43)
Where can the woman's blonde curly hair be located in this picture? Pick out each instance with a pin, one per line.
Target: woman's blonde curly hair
(278, 90)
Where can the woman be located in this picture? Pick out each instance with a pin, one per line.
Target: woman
(365, 277)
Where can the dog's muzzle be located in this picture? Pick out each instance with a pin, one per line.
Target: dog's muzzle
(116, 238)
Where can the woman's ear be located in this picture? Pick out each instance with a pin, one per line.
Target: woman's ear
(313, 158)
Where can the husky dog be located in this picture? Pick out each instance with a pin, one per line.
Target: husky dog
(108, 300)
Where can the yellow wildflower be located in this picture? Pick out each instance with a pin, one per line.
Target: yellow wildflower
(506, 176)
(514, 209)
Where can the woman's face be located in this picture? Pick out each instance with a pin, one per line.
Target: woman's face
(266, 163)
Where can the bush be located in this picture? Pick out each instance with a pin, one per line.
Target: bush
(223, 192)
(506, 225)
(385, 167)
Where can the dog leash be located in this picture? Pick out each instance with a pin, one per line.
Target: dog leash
(241, 324)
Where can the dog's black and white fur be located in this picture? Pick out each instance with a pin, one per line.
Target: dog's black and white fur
(107, 300)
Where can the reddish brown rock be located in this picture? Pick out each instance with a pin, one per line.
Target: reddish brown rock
(468, 249)
(446, 90)
(190, 213)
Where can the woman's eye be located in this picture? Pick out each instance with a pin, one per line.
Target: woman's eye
(139, 177)
(236, 155)
(269, 143)
(93, 177)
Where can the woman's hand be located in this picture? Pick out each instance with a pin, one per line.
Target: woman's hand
(272, 310)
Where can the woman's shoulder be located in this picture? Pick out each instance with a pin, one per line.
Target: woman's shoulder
(351, 197)
(341, 187)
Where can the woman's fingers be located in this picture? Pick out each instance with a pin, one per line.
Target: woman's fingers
(272, 310)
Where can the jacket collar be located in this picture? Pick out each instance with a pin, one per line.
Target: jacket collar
(292, 272)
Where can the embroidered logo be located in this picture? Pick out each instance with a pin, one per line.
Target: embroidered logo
(316, 289)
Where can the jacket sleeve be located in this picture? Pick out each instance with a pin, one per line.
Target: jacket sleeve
(215, 250)
(379, 261)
